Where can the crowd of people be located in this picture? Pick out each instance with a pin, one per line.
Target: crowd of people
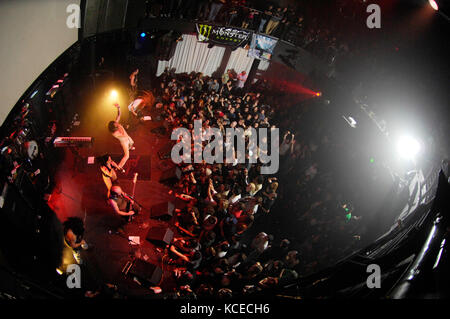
(213, 257)
(217, 253)
(224, 248)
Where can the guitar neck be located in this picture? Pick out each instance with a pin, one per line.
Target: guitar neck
(134, 183)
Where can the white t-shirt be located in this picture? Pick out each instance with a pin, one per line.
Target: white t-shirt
(234, 199)
(134, 105)
(241, 80)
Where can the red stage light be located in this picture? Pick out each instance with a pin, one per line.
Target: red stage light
(433, 4)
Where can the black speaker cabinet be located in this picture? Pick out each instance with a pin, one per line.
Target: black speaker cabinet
(166, 151)
(160, 236)
(162, 211)
(146, 273)
(170, 175)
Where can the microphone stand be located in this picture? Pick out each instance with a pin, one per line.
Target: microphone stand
(134, 200)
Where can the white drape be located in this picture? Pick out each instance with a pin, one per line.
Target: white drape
(263, 65)
(239, 61)
(191, 55)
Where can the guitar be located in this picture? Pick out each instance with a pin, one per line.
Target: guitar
(132, 195)
(134, 183)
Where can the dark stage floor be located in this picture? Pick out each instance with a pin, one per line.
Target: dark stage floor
(81, 192)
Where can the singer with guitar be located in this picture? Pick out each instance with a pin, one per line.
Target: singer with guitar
(108, 168)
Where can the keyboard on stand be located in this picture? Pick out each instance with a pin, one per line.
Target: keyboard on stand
(76, 141)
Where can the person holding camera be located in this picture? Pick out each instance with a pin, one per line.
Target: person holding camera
(288, 142)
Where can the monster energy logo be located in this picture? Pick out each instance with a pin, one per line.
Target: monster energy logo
(204, 31)
(221, 35)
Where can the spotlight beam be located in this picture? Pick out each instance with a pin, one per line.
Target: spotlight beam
(435, 7)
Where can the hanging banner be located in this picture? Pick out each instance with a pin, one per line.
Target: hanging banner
(223, 35)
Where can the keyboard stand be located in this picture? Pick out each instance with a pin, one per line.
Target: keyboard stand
(77, 160)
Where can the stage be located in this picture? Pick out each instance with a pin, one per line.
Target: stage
(81, 192)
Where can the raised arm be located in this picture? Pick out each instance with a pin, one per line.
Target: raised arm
(292, 144)
(114, 164)
(118, 112)
(176, 252)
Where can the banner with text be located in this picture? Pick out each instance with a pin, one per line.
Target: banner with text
(223, 35)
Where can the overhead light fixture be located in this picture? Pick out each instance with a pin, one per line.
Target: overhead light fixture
(350, 120)
(34, 93)
(433, 4)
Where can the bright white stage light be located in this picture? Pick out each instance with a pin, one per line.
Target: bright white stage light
(433, 4)
(114, 94)
(408, 147)
(350, 120)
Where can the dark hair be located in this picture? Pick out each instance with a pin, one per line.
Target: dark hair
(225, 293)
(75, 224)
(289, 138)
(241, 227)
(112, 126)
(102, 160)
(285, 243)
(259, 179)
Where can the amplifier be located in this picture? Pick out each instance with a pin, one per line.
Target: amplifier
(142, 272)
(160, 236)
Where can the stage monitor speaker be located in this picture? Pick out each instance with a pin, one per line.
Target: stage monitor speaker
(162, 211)
(160, 236)
(146, 273)
(166, 151)
(170, 175)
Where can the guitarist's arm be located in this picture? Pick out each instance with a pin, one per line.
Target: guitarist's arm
(116, 166)
(117, 210)
(72, 240)
(128, 197)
